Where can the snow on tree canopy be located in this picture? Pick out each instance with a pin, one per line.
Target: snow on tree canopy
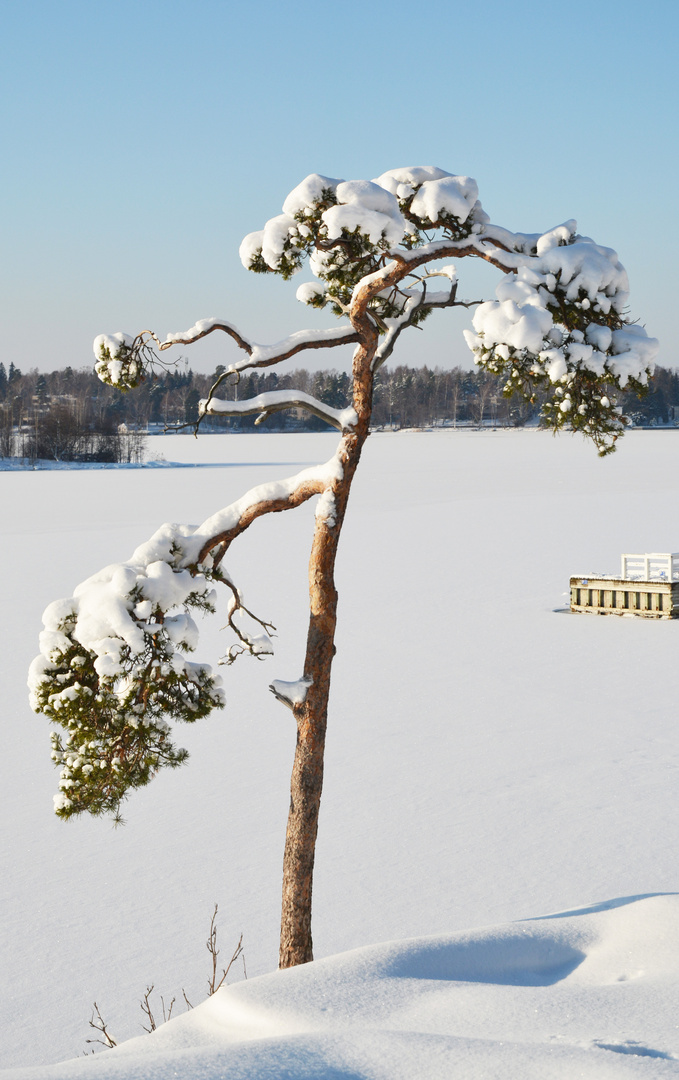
(559, 320)
(368, 208)
(338, 223)
(454, 195)
(404, 182)
(309, 192)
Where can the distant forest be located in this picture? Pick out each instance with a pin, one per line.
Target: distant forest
(69, 415)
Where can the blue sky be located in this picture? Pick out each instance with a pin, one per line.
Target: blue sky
(141, 141)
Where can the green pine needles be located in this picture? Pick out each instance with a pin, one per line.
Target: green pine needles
(113, 699)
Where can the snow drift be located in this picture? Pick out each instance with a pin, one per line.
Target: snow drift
(588, 993)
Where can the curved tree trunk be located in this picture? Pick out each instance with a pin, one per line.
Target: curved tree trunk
(296, 945)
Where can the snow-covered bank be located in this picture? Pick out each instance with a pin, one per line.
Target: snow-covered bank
(589, 994)
(41, 465)
(22, 465)
(487, 758)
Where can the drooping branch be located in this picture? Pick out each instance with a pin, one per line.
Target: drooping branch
(112, 669)
(288, 501)
(219, 530)
(276, 401)
(265, 355)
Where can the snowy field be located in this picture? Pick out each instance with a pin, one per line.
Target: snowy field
(491, 759)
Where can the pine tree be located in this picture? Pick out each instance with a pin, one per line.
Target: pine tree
(558, 327)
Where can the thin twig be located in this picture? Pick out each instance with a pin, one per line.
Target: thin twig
(245, 642)
(146, 1009)
(100, 1025)
(213, 985)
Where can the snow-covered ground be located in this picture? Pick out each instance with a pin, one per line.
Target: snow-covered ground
(490, 759)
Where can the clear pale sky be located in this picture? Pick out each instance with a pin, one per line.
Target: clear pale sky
(142, 139)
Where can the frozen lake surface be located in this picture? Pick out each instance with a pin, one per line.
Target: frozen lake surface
(490, 758)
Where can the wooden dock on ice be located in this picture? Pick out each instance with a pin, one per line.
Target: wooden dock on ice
(648, 587)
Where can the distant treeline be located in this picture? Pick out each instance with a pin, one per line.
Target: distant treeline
(71, 415)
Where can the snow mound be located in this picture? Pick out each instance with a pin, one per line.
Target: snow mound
(588, 993)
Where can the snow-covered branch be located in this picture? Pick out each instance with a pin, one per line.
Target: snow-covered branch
(290, 693)
(124, 361)
(265, 355)
(479, 246)
(204, 327)
(112, 667)
(276, 401)
(219, 530)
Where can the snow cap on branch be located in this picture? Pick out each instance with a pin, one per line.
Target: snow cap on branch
(309, 192)
(449, 271)
(368, 208)
(454, 195)
(311, 292)
(251, 246)
(404, 182)
(290, 693)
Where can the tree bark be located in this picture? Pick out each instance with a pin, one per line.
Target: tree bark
(296, 945)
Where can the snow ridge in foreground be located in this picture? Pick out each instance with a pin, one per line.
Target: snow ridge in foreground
(588, 993)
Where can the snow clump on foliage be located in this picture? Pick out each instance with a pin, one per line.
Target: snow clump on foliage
(342, 225)
(112, 667)
(559, 323)
(116, 361)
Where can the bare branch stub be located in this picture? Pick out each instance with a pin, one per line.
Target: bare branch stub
(167, 1014)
